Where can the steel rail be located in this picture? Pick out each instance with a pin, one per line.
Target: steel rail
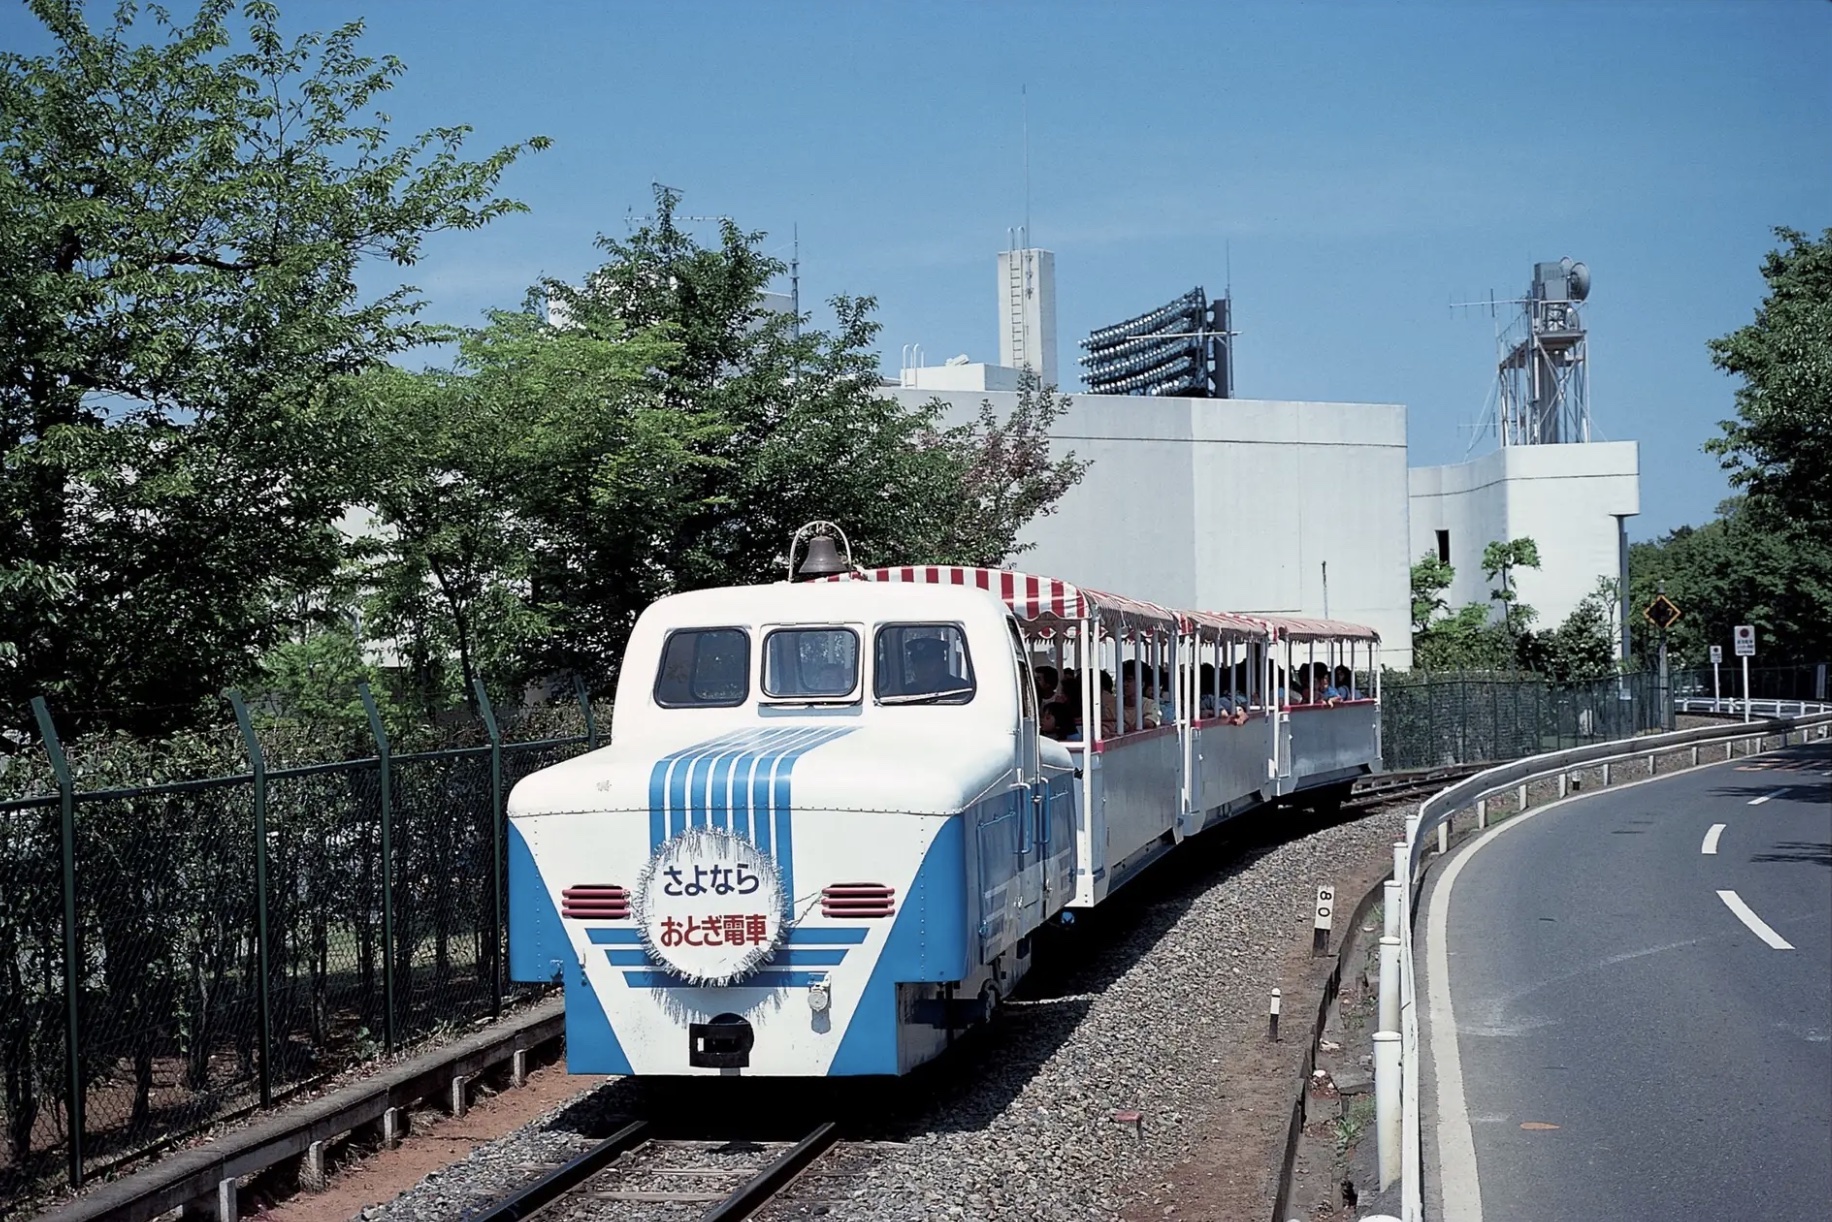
(562, 1180)
(767, 1183)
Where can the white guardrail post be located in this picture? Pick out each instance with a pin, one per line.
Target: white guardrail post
(1396, 1044)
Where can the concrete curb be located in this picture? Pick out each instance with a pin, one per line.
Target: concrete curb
(204, 1179)
(1281, 1201)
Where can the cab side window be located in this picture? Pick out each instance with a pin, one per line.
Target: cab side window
(704, 668)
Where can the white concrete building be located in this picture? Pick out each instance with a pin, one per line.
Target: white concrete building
(1228, 505)
(1283, 507)
(1573, 500)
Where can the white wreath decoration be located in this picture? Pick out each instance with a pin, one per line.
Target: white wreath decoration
(714, 842)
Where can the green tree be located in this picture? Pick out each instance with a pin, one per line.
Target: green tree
(1006, 475)
(1584, 646)
(522, 498)
(183, 217)
(1737, 569)
(1443, 640)
(756, 424)
(1778, 449)
(1431, 577)
(1499, 560)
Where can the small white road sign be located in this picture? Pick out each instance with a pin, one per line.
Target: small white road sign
(1744, 635)
(1717, 654)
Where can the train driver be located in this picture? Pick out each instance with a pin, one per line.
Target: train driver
(929, 667)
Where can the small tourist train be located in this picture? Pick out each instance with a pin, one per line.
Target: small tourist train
(834, 811)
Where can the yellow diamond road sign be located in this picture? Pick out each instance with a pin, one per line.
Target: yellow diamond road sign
(1662, 612)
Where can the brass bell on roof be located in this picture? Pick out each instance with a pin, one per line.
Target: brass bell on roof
(822, 556)
(822, 560)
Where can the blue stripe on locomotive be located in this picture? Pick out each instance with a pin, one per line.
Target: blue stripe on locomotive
(928, 943)
(740, 782)
(538, 948)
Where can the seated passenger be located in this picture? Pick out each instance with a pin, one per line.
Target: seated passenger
(1109, 707)
(1208, 703)
(1069, 696)
(1167, 698)
(1323, 684)
(1345, 683)
(1059, 722)
(1298, 692)
(1046, 683)
(1135, 707)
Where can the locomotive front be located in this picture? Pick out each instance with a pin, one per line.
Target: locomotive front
(768, 870)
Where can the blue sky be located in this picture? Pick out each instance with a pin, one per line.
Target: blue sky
(1363, 166)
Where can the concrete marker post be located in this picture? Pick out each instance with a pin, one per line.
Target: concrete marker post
(1323, 922)
(1564, 783)
(1481, 814)
(1444, 836)
(1522, 796)
(1272, 1019)
(1389, 984)
(228, 1204)
(1695, 755)
(312, 1177)
(1387, 1114)
(1606, 774)
(394, 1125)
(459, 1104)
(518, 1068)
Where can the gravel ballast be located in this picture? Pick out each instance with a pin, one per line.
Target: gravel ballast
(1150, 1003)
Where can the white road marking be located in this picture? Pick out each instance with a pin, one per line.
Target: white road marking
(1765, 797)
(1757, 925)
(1458, 1181)
(1711, 838)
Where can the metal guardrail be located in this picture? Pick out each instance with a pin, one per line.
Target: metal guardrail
(1750, 709)
(1397, 1136)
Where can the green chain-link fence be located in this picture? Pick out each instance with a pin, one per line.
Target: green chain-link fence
(1434, 721)
(215, 944)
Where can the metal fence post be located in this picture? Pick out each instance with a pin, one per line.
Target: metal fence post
(257, 766)
(381, 748)
(66, 794)
(497, 833)
(1431, 725)
(585, 706)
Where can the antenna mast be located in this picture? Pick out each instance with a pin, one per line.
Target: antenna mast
(795, 280)
(1024, 102)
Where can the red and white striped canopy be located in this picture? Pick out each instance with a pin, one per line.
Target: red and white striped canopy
(1297, 628)
(1212, 624)
(1031, 597)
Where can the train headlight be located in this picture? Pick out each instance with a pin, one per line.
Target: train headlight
(818, 997)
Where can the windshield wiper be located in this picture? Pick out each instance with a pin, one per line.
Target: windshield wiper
(925, 697)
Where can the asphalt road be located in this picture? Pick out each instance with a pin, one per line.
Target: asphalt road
(1601, 984)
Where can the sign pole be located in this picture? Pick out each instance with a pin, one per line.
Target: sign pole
(1715, 697)
(1745, 661)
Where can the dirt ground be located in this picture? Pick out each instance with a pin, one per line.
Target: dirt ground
(1233, 1172)
(434, 1140)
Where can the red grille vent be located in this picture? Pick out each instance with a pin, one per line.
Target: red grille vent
(858, 900)
(595, 903)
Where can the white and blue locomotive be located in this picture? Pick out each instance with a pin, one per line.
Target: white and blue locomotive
(826, 825)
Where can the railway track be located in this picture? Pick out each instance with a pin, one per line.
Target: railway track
(637, 1174)
(1404, 786)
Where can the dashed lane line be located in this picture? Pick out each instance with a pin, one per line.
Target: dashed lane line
(1757, 925)
(1711, 839)
(1765, 797)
